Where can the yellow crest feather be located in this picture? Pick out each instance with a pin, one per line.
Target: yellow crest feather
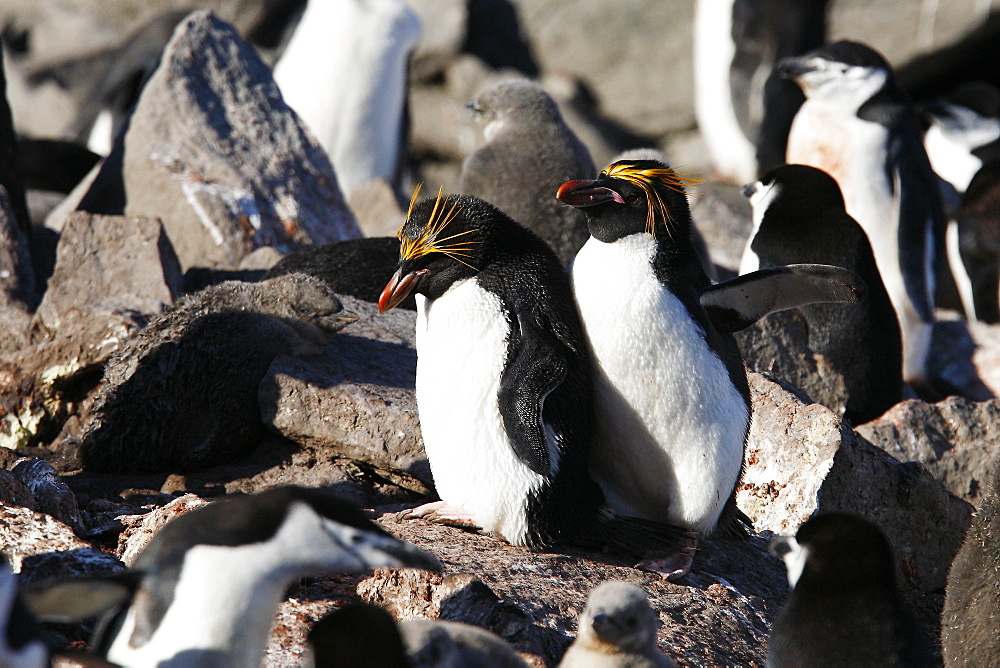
(647, 179)
(429, 240)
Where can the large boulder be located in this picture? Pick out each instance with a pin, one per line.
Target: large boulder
(214, 151)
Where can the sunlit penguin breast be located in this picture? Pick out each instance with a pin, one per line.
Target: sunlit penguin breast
(462, 340)
(670, 423)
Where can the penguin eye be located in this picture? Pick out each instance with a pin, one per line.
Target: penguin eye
(633, 198)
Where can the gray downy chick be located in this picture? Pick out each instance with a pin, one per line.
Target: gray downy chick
(617, 630)
(529, 152)
(182, 394)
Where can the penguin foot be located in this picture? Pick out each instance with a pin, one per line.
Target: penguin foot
(441, 513)
(673, 565)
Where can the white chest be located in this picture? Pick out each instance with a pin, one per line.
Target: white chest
(461, 354)
(670, 424)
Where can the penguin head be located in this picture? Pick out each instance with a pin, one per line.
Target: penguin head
(633, 197)
(512, 104)
(618, 614)
(834, 551)
(846, 73)
(969, 117)
(308, 304)
(795, 192)
(444, 240)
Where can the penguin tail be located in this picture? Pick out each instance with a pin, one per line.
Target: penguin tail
(642, 537)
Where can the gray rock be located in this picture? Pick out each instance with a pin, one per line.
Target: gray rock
(362, 386)
(442, 34)
(13, 491)
(376, 208)
(52, 495)
(956, 439)
(802, 459)
(111, 262)
(777, 346)
(41, 547)
(723, 217)
(215, 152)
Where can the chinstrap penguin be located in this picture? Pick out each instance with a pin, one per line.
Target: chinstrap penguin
(672, 404)
(529, 151)
(209, 582)
(366, 636)
(503, 379)
(857, 125)
(799, 217)
(182, 394)
(844, 608)
(617, 629)
(344, 73)
(971, 613)
(743, 110)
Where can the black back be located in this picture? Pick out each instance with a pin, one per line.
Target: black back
(358, 636)
(807, 223)
(845, 609)
(979, 240)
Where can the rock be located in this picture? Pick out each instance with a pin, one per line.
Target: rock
(801, 459)
(723, 217)
(442, 34)
(955, 357)
(362, 386)
(376, 208)
(41, 547)
(956, 439)
(113, 262)
(141, 528)
(13, 491)
(17, 277)
(216, 153)
(777, 346)
(52, 495)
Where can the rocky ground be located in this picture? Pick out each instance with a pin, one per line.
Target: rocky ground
(187, 198)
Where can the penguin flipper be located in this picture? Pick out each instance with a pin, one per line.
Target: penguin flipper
(536, 368)
(739, 302)
(79, 599)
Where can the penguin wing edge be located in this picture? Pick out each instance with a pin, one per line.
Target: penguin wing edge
(535, 369)
(739, 302)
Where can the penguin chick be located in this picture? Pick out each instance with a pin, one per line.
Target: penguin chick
(672, 404)
(363, 635)
(182, 394)
(844, 608)
(971, 614)
(616, 630)
(529, 151)
(355, 267)
(209, 581)
(503, 379)
(857, 125)
(799, 216)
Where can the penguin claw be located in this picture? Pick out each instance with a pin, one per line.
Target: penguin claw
(674, 565)
(440, 513)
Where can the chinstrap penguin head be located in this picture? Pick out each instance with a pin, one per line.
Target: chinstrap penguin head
(836, 551)
(794, 190)
(511, 104)
(618, 614)
(447, 239)
(632, 197)
(847, 73)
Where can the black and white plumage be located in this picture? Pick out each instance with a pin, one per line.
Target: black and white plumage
(503, 377)
(799, 217)
(617, 629)
(21, 643)
(963, 144)
(182, 394)
(672, 405)
(844, 609)
(971, 613)
(366, 636)
(857, 125)
(529, 152)
(209, 582)
(743, 111)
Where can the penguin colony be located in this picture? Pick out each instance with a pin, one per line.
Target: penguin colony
(577, 379)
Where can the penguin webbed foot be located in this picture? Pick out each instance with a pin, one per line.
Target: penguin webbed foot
(440, 512)
(673, 565)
